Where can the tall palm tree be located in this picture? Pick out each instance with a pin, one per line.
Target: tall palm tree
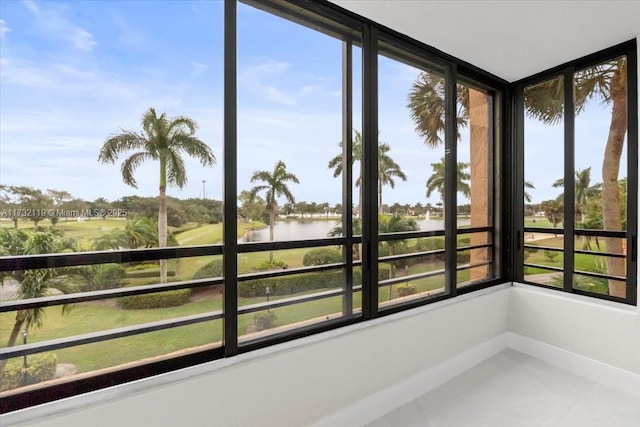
(437, 179)
(608, 83)
(426, 103)
(163, 139)
(388, 169)
(582, 186)
(274, 185)
(356, 156)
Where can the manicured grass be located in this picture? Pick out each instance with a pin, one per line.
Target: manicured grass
(539, 222)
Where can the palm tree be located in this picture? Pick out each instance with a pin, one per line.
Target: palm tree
(163, 139)
(356, 156)
(356, 226)
(527, 196)
(32, 283)
(427, 106)
(582, 186)
(388, 169)
(437, 179)
(395, 224)
(275, 185)
(608, 83)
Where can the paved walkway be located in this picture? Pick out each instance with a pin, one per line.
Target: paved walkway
(9, 289)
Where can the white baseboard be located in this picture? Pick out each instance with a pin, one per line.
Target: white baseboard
(385, 401)
(590, 368)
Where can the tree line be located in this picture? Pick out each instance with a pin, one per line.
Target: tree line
(33, 204)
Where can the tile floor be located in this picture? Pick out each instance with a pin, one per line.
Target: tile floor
(512, 389)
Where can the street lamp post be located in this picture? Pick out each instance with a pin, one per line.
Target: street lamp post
(204, 181)
(24, 342)
(24, 359)
(267, 292)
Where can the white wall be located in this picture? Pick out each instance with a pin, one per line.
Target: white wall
(608, 333)
(314, 377)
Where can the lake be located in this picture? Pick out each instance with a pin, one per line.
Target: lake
(302, 230)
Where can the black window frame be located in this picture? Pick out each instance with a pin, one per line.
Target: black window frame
(566, 72)
(508, 208)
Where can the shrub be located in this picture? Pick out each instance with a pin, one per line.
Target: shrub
(528, 252)
(429, 244)
(266, 265)
(102, 276)
(41, 367)
(148, 272)
(213, 269)
(264, 320)
(550, 255)
(142, 266)
(296, 283)
(464, 241)
(155, 300)
(406, 290)
(321, 256)
(463, 257)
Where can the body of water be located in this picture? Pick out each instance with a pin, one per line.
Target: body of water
(302, 230)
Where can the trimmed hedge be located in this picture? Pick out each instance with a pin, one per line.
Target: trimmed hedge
(296, 283)
(406, 290)
(214, 268)
(321, 256)
(41, 367)
(148, 272)
(156, 300)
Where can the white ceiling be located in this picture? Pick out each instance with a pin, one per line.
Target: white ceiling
(511, 39)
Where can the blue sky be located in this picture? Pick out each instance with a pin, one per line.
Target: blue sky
(73, 73)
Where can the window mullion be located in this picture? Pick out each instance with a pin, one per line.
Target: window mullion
(569, 178)
(517, 189)
(632, 173)
(369, 179)
(451, 161)
(230, 302)
(347, 174)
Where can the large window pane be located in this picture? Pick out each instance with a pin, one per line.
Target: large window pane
(410, 173)
(544, 175)
(290, 166)
(601, 170)
(74, 96)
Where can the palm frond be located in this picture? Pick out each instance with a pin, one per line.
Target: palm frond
(117, 144)
(130, 165)
(176, 171)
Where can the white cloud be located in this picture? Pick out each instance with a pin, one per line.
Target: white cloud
(4, 29)
(198, 68)
(52, 21)
(255, 76)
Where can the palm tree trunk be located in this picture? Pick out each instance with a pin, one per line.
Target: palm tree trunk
(611, 217)
(380, 209)
(17, 326)
(272, 221)
(162, 218)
